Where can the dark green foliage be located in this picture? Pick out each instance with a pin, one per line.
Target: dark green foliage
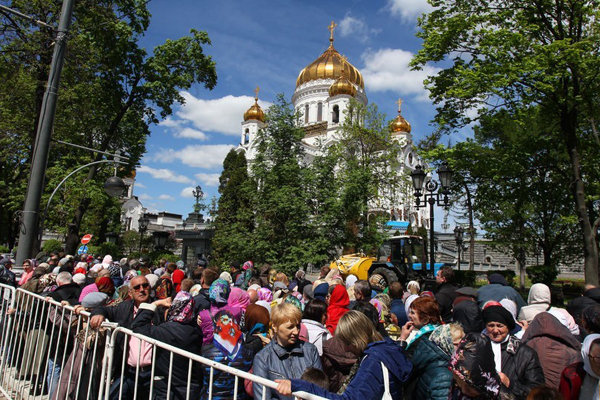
(465, 278)
(52, 246)
(542, 274)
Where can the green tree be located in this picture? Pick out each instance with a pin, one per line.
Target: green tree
(111, 91)
(283, 230)
(234, 221)
(367, 160)
(514, 55)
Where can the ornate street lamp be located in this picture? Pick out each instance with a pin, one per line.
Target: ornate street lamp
(143, 227)
(433, 197)
(114, 186)
(160, 239)
(459, 233)
(198, 194)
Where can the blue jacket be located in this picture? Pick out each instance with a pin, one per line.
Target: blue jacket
(275, 362)
(397, 307)
(430, 377)
(368, 381)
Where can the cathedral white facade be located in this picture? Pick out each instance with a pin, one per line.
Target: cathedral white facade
(322, 97)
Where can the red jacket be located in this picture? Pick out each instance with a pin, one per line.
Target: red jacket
(571, 380)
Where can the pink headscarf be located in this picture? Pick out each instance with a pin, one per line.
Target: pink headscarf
(238, 298)
(265, 294)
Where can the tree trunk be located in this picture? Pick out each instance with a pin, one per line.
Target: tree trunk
(568, 123)
(521, 260)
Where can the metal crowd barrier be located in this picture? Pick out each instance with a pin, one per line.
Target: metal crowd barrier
(49, 352)
(48, 349)
(192, 359)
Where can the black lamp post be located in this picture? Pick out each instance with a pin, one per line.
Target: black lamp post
(160, 239)
(458, 237)
(433, 197)
(114, 186)
(143, 227)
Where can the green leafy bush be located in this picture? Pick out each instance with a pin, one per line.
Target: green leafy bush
(4, 249)
(465, 278)
(52, 246)
(542, 274)
(170, 257)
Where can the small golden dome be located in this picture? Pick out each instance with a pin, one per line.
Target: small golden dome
(330, 66)
(255, 112)
(400, 124)
(342, 86)
(132, 174)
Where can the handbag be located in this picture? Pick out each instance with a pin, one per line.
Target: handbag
(386, 383)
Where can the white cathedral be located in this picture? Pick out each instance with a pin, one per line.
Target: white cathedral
(322, 96)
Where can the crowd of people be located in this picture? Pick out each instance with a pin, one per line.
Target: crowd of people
(337, 336)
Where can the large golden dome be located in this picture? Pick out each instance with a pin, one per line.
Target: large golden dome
(330, 66)
(255, 112)
(400, 124)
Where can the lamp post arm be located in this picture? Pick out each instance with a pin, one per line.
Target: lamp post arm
(43, 220)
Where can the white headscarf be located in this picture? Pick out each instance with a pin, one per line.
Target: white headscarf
(590, 386)
(409, 301)
(350, 281)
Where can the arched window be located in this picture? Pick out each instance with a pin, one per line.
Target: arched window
(306, 114)
(336, 114)
(319, 112)
(246, 136)
(410, 159)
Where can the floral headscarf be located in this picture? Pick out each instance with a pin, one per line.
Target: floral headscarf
(247, 265)
(219, 292)
(379, 307)
(182, 308)
(105, 285)
(293, 301)
(443, 338)
(473, 362)
(129, 275)
(265, 294)
(47, 280)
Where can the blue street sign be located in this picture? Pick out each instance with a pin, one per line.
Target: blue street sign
(82, 249)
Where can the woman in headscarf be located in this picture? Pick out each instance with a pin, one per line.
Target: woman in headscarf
(517, 364)
(247, 274)
(338, 306)
(238, 299)
(218, 295)
(581, 381)
(28, 266)
(180, 330)
(475, 375)
(265, 294)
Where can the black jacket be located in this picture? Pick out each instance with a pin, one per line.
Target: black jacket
(520, 363)
(186, 337)
(576, 306)
(445, 295)
(201, 301)
(121, 314)
(468, 314)
(69, 292)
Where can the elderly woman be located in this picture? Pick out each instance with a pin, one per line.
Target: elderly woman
(286, 356)
(581, 380)
(28, 268)
(381, 372)
(430, 378)
(180, 330)
(474, 372)
(517, 364)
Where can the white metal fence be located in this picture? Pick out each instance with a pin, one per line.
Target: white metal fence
(49, 351)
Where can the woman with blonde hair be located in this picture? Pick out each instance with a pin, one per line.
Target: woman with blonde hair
(382, 370)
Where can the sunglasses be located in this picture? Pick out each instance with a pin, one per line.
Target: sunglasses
(141, 285)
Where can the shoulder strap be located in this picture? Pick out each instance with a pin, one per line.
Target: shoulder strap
(386, 383)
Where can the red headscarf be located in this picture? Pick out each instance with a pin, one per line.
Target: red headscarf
(338, 306)
(176, 277)
(105, 285)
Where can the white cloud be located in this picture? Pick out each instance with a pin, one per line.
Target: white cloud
(166, 197)
(191, 133)
(387, 69)
(408, 10)
(187, 192)
(201, 156)
(355, 26)
(169, 122)
(222, 115)
(164, 174)
(145, 196)
(208, 179)
(140, 185)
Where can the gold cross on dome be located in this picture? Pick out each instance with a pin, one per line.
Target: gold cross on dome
(399, 102)
(331, 28)
(256, 93)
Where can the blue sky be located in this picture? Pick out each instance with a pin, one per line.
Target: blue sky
(267, 43)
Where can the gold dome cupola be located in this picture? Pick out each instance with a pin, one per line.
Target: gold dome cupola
(255, 112)
(330, 65)
(342, 85)
(400, 125)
